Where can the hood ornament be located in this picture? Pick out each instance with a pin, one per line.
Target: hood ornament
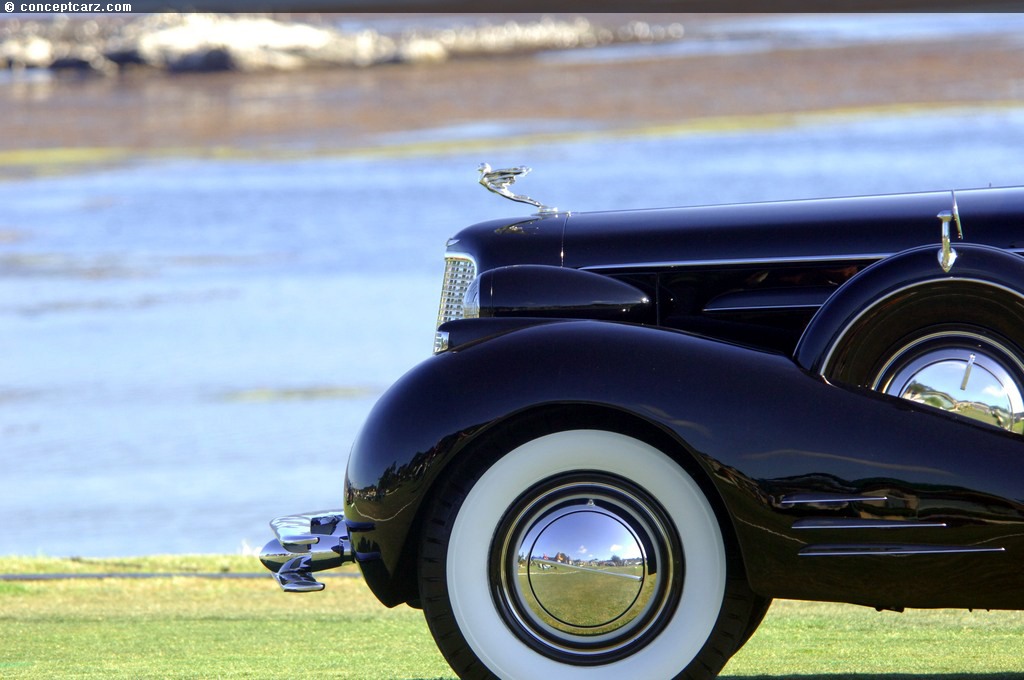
(947, 254)
(499, 181)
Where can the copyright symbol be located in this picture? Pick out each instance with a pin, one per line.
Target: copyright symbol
(8, 6)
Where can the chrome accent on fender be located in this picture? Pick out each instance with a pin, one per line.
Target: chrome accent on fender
(956, 217)
(459, 271)
(441, 340)
(471, 300)
(826, 499)
(499, 181)
(863, 523)
(891, 550)
(306, 543)
(947, 254)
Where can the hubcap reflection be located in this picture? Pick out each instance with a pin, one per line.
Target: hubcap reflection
(963, 373)
(614, 581)
(586, 568)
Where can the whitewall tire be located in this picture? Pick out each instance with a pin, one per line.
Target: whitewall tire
(578, 554)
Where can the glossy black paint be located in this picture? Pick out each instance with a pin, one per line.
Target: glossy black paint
(753, 273)
(499, 243)
(801, 472)
(755, 427)
(857, 228)
(559, 292)
(915, 267)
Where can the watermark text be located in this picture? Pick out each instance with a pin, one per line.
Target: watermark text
(67, 7)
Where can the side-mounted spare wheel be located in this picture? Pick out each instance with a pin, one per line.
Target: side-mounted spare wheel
(580, 554)
(953, 341)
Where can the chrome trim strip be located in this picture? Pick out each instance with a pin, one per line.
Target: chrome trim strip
(805, 297)
(863, 523)
(740, 261)
(816, 259)
(826, 499)
(889, 550)
(758, 308)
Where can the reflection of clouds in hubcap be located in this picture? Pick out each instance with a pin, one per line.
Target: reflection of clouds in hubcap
(581, 565)
(970, 382)
(596, 535)
(612, 575)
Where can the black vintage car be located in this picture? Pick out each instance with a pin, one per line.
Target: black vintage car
(639, 427)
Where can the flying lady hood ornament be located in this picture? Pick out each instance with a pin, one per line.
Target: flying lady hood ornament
(499, 181)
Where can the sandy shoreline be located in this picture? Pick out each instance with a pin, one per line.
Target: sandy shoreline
(345, 108)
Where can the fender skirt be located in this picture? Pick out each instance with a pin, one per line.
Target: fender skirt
(831, 493)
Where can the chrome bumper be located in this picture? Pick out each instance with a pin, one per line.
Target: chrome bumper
(306, 543)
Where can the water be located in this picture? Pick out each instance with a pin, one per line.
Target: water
(765, 33)
(192, 345)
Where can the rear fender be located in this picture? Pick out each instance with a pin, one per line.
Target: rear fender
(881, 285)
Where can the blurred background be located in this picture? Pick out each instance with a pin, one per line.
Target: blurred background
(221, 236)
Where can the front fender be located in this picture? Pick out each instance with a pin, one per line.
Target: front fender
(757, 424)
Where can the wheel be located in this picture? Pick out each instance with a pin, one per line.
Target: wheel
(953, 345)
(758, 610)
(581, 553)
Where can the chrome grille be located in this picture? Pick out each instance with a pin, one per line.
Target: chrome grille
(459, 272)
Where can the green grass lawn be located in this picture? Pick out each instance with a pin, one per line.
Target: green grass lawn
(180, 626)
(567, 593)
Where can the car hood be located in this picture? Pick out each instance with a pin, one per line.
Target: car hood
(851, 228)
(856, 228)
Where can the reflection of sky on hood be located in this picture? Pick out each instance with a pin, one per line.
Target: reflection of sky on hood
(586, 536)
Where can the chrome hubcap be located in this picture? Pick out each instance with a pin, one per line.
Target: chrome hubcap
(586, 569)
(962, 373)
